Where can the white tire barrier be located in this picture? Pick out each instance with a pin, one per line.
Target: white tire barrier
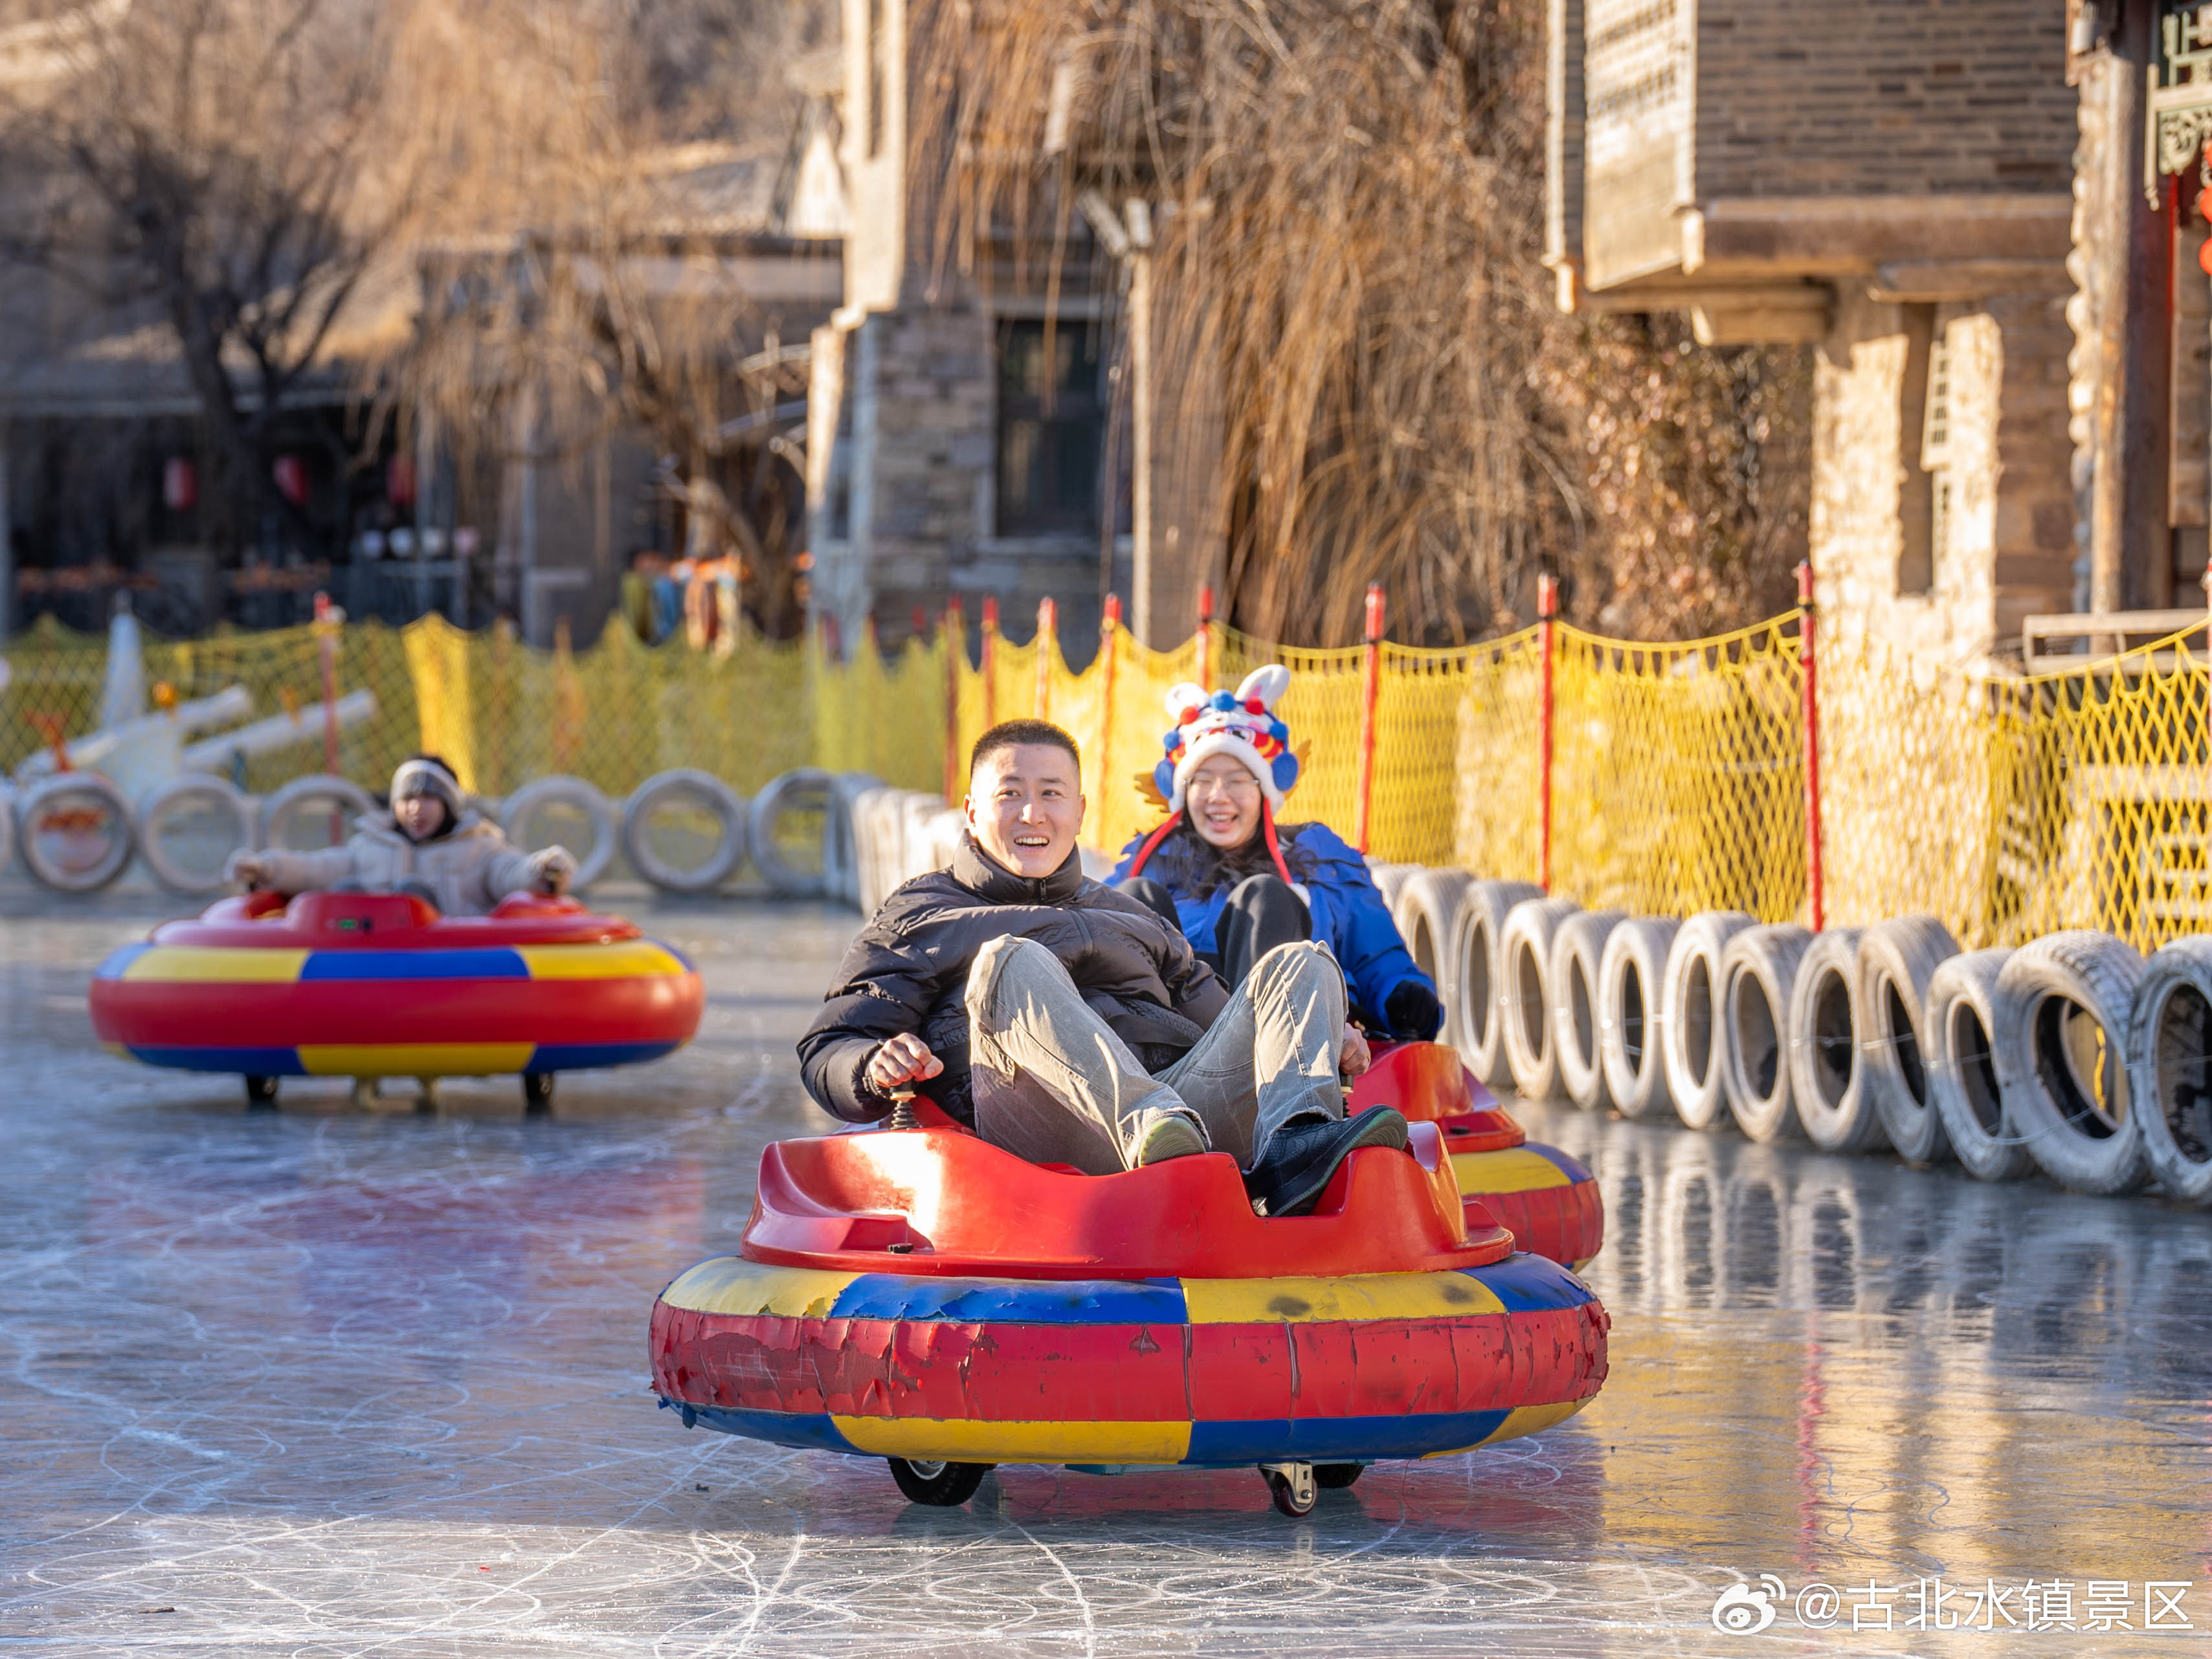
(1475, 982)
(1390, 879)
(1577, 949)
(1526, 946)
(1897, 959)
(2169, 1067)
(1630, 976)
(303, 806)
(1759, 972)
(171, 807)
(1827, 1069)
(1691, 1035)
(74, 828)
(2063, 1006)
(7, 819)
(568, 797)
(808, 789)
(704, 798)
(1428, 905)
(841, 840)
(1959, 1016)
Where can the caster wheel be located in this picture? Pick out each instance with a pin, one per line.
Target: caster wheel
(941, 1484)
(1336, 1477)
(537, 1092)
(260, 1093)
(1291, 1485)
(427, 1101)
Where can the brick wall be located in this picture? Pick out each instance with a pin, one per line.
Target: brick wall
(1880, 97)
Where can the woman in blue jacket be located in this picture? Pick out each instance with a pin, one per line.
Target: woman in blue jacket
(1238, 884)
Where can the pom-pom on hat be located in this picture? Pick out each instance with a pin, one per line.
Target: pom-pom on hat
(1240, 724)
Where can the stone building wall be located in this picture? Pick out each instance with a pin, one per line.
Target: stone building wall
(2006, 532)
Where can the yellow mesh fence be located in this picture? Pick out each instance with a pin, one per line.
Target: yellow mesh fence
(2008, 807)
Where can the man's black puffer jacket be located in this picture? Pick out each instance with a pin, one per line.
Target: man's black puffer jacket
(908, 971)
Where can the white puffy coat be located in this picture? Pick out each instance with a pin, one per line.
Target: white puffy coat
(470, 870)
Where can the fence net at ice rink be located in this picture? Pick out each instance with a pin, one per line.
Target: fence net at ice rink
(2009, 806)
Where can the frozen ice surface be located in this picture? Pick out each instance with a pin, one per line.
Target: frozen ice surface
(339, 1381)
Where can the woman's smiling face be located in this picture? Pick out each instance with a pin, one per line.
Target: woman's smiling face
(1224, 800)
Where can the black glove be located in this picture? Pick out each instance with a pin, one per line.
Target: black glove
(1414, 1011)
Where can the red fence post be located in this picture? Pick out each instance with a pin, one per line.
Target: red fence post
(955, 650)
(990, 660)
(1204, 640)
(328, 617)
(1109, 625)
(1808, 613)
(1369, 696)
(1547, 615)
(1048, 635)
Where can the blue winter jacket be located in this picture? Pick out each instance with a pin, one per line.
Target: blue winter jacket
(1348, 914)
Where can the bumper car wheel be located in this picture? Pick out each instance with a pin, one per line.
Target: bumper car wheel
(537, 1092)
(260, 1091)
(1292, 1487)
(944, 1485)
(1336, 1477)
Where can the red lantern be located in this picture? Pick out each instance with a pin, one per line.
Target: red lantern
(290, 473)
(180, 484)
(399, 481)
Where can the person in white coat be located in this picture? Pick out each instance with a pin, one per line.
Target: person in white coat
(432, 843)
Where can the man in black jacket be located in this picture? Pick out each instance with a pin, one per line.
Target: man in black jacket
(1069, 1024)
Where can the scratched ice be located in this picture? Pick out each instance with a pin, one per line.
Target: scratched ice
(333, 1381)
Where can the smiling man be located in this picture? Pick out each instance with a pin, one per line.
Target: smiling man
(1067, 1023)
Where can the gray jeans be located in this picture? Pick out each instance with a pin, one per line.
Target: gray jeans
(1054, 1084)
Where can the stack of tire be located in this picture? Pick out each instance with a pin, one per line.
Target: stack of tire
(2073, 1055)
(77, 832)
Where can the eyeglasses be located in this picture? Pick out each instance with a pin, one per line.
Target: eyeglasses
(1239, 783)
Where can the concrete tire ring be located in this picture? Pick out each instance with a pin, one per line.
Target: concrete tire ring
(873, 825)
(1691, 1033)
(1828, 1061)
(1630, 975)
(7, 825)
(293, 799)
(1577, 949)
(1525, 945)
(192, 790)
(1759, 974)
(563, 790)
(1390, 880)
(703, 788)
(85, 787)
(1960, 1015)
(2169, 1052)
(2041, 1053)
(1475, 1011)
(1427, 905)
(803, 786)
(1897, 959)
(922, 846)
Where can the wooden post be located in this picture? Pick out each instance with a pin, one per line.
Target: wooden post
(1808, 614)
(1047, 639)
(955, 649)
(1204, 638)
(1547, 629)
(1369, 698)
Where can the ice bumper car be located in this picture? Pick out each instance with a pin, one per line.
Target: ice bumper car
(918, 1295)
(371, 985)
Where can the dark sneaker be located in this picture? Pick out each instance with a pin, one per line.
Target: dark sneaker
(1302, 1157)
(1169, 1134)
